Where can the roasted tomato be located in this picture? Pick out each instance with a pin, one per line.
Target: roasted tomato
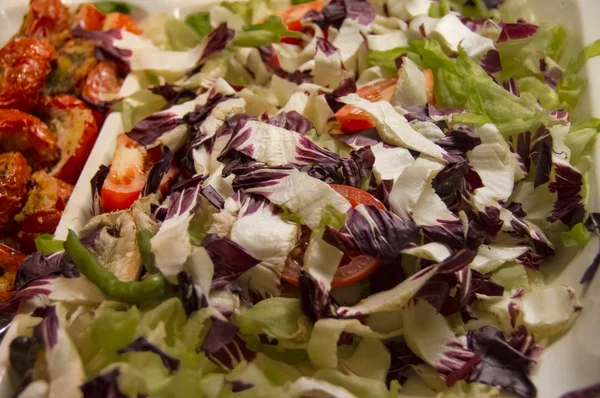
(353, 119)
(75, 60)
(89, 17)
(118, 20)
(14, 174)
(21, 132)
(45, 17)
(46, 201)
(73, 123)
(127, 175)
(9, 264)
(103, 79)
(24, 65)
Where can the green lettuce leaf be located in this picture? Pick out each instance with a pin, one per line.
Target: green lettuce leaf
(113, 6)
(199, 22)
(577, 236)
(463, 84)
(47, 245)
(265, 33)
(582, 137)
(571, 85)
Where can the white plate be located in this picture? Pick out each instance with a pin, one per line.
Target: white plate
(570, 363)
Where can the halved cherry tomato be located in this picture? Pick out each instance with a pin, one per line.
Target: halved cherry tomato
(45, 17)
(75, 127)
(21, 132)
(126, 177)
(14, 175)
(118, 20)
(429, 80)
(354, 119)
(89, 17)
(292, 17)
(357, 196)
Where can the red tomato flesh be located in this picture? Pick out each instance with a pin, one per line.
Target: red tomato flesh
(353, 119)
(292, 17)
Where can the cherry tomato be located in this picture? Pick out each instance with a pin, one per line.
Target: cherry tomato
(45, 17)
(292, 17)
(46, 201)
(354, 119)
(126, 177)
(89, 17)
(357, 196)
(14, 174)
(118, 20)
(74, 125)
(429, 81)
(21, 132)
(24, 65)
(101, 80)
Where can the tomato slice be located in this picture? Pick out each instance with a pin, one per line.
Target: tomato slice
(357, 196)
(357, 269)
(118, 20)
(126, 177)
(90, 18)
(292, 17)
(429, 80)
(353, 119)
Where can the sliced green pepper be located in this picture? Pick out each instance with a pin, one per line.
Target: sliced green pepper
(154, 287)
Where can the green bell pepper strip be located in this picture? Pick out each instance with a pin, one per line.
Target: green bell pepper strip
(143, 241)
(154, 287)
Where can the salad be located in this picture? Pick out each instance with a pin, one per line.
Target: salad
(318, 199)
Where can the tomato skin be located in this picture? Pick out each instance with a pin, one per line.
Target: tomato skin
(126, 177)
(10, 258)
(24, 66)
(14, 175)
(45, 17)
(292, 17)
(118, 20)
(21, 132)
(75, 126)
(357, 196)
(90, 18)
(353, 119)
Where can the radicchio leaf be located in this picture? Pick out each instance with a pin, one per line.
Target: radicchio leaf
(337, 10)
(188, 294)
(357, 166)
(524, 342)
(501, 364)
(104, 385)
(587, 392)
(541, 155)
(490, 62)
(223, 344)
(230, 259)
(141, 344)
(292, 121)
(450, 233)
(47, 330)
(347, 86)
(516, 31)
(173, 94)
(567, 186)
(37, 265)
(149, 129)
(402, 359)
(298, 77)
(551, 75)
(217, 40)
(96, 183)
(375, 232)
(315, 301)
(157, 172)
(457, 261)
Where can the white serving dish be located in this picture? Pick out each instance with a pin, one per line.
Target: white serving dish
(570, 363)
